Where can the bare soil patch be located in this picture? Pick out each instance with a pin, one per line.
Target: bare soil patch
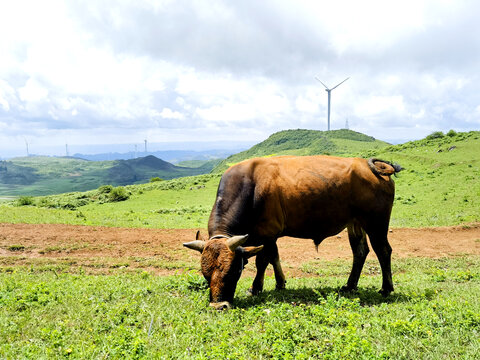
(103, 249)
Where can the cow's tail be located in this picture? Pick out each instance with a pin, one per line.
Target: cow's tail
(383, 168)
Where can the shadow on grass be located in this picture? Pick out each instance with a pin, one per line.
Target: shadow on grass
(305, 295)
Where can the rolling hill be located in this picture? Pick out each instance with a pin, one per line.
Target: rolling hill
(440, 186)
(42, 175)
(441, 181)
(307, 142)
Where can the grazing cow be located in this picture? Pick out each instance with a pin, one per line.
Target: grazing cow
(310, 197)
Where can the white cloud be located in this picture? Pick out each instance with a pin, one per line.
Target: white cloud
(223, 115)
(171, 69)
(377, 105)
(309, 101)
(7, 95)
(169, 114)
(33, 91)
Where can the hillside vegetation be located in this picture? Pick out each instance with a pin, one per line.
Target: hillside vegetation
(439, 186)
(441, 181)
(307, 142)
(42, 175)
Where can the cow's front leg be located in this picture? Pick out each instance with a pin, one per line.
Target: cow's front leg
(261, 262)
(269, 255)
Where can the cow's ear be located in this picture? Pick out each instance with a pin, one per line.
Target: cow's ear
(250, 251)
(199, 236)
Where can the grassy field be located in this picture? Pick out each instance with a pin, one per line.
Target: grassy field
(178, 203)
(438, 187)
(433, 314)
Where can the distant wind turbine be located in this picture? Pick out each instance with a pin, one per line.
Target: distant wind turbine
(329, 95)
(26, 144)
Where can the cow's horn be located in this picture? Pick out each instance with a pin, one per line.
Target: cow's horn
(236, 241)
(198, 245)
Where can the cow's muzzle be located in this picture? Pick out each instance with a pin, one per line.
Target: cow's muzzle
(223, 305)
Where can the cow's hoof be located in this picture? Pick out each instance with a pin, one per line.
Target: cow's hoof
(385, 293)
(347, 289)
(220, 306)
(252, 292)
(281, 286)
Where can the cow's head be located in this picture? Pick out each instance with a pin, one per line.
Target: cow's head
(222, 261)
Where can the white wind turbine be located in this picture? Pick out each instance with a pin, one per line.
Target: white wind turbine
(329, 95)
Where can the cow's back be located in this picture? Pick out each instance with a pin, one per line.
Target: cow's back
(310, 197)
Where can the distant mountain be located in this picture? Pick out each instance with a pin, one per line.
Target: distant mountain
(307, 142)
(172, 156)
(42, 175)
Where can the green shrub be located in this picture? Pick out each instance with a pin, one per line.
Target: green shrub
(44, 202)
(118, 194)
(435, 135)
(69, 206)
(155, 179)
(452, 133)
(105, 189)
(25, 200)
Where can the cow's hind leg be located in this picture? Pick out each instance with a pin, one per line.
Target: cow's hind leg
(382, 248)
(277, 268)
(269, 255)
(358, 243)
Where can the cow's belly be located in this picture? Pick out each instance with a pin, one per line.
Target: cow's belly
(304, 222)
(317, 225)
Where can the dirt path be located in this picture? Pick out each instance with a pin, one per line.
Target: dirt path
(101, 249)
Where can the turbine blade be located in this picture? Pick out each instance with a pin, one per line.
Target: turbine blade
(340, 83)
(326, 87)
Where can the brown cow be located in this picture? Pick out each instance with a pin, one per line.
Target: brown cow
(309, 197)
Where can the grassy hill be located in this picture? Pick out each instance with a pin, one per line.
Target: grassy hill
(42, 175)
(441, 183)
(307, 142)
(440, 186)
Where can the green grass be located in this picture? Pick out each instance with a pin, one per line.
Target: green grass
(438, 188)
(178, 203)
(433, 314)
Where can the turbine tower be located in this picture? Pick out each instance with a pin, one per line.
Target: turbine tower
(329, 95)
(26, 144)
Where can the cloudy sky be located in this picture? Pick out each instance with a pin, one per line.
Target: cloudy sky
(119, 72)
